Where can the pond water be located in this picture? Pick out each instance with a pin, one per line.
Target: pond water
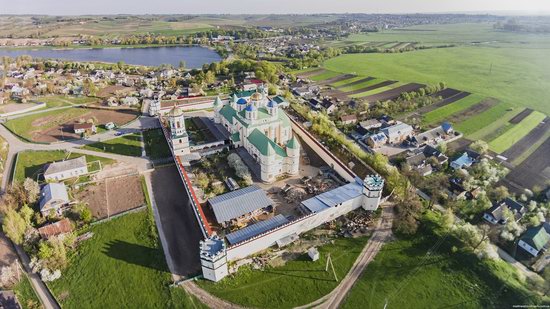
(194, 56)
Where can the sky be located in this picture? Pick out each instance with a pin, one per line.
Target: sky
(81, 7)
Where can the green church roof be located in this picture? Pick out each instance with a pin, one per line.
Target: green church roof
(228, 113)
(245, 93)
(218, 101)
(236, 137)
(265, 145)
(293, 143)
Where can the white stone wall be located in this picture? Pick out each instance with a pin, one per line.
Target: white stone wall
(528, 248)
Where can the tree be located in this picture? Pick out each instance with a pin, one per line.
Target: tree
(14, 226)
(202, 180)
(480, 147)
(32, 190)
(473, 237)
(448, 219)
(182, 65)
(442, 147)
(499, 193)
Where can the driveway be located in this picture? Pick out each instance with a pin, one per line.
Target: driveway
(177, 221)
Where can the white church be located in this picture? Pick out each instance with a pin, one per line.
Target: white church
(255, 123)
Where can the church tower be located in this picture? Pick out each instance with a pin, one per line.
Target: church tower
(218, 104)
(179, 136)
(154, 107)
(372, 191)
(293, 156)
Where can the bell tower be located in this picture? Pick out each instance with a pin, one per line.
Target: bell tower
(178, 134)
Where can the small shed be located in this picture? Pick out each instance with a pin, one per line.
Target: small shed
(313, 253)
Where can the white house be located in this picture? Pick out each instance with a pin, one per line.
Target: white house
(62, 170)
(53, 197)
(80, 128)
(397, 133)
(535, 239)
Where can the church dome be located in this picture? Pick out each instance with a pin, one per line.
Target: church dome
(272, 104)
(241, 101)
(256, 96)
(250, 108)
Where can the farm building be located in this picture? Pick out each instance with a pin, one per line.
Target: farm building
(80, 128)
(398, 132)
(370, 124)
(495, 215)
(62, 170)
(535, 239)
(256, 229)
(58, 228)
(53, 197)
(240, 205)
(434, 136)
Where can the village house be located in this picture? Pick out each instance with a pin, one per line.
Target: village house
(535, 239)
(80, 128)
(397, 133)
(62, 170)
(240, 206)
(59, 228)
(465, 160)
(348, 119)
(377, 140)
(418, 161)
(370, 124)
(495, 214)
(433, 136)
(53, 199)
(130, 101)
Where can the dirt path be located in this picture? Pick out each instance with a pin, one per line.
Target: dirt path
(207, 298)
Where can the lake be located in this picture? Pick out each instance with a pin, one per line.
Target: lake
(194, 56)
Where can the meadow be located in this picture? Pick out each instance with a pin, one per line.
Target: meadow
(298, 282)
(324, 76)
(347, 87)
(439, 114)
(477, 127)
(128, 145)
(514, 75)
(129, 269)
(375, 91)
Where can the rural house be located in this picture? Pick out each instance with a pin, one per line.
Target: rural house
(348, 119)
(535, 239)
(377, 140)
(58, 228)
(62, 170)
(495, 215)
(397, 133)
(53, 198)
(80, 128)
(465, 160)
(240, 205)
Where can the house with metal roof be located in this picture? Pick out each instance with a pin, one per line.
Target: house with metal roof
(496, 214)
(535, 239)
(62, 170)
(240, 205)
(53, 198)
(257, 124)
(464, 161)
(398, 132)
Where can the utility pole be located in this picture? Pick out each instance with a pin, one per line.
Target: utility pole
(329, 260)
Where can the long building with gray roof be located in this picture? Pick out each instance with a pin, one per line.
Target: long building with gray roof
(238, 203)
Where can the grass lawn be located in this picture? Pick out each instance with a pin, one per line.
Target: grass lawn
(25, 293)
(443, 112)
(30, 163)
(156, 146)
(60, 100)
(296, 283)
(121, 266)
(346, 81)
(515, 133)
(513, 74)
(403, 275)
(375, 91)
(24, 126)
(127, 145)
(324, 76)
(361, 85)
(4, 148)
(487, 121)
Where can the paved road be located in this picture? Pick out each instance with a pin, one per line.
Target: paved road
(177, 222)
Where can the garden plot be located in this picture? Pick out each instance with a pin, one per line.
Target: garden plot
(532, 138)
(310, 72)
(374, 86)
(326, 75)
(111, 196)
(394, 93)
(358, 87)
(348, 81)
(338, 78)
(519, 117)
(533, 171)
(358, 81)
(487, 122)
(472, 110)
(516, 132)
(442, 113)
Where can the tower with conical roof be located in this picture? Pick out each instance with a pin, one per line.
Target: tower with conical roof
(372, 191)
(293, 156)
(178, 135)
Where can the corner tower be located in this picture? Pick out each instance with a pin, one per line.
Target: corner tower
(213, 258)
(178, 135)
(372, 191)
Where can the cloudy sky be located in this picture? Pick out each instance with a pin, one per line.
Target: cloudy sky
(76, 7)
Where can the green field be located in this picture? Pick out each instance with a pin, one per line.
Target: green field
(375, 91)
(517, 75)
(30, 163)
(516, 132)
(121, 266)
(25, 293)
(127, 145)
(405, 276)
(296, 283)
(360, 85)
(346, 81)
(155, 144)
(25, 125)
(479, 125)
(443, 112)
(60, 100)
(324, 76)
